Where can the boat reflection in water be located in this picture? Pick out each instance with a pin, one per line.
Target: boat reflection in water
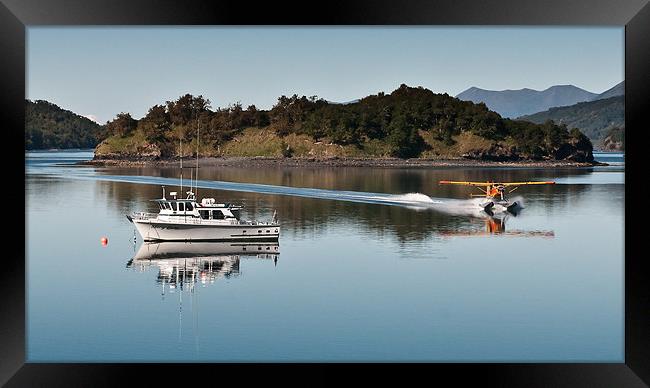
(182, 264)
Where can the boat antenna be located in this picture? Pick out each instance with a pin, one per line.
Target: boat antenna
(196, 181)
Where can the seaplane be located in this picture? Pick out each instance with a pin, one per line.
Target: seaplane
(494, 194)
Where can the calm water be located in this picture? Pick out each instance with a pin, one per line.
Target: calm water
(372, 265)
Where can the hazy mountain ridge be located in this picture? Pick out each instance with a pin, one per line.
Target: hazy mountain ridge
(343, 103)
(516, 103)
(616, 90)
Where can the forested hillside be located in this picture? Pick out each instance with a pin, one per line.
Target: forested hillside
(594, 118)
(49, 126)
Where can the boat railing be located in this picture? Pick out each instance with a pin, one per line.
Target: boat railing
(144, 215)
(197, 220)
(260, 223)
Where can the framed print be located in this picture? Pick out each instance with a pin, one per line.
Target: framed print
(424, 187)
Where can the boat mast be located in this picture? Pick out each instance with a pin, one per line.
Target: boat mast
(196, 181)
(180, 147)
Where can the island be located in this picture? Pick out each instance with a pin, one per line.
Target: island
(412, 126)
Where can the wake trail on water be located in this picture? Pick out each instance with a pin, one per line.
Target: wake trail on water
(415, 201)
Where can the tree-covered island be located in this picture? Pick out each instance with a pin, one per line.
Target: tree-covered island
(410, 122)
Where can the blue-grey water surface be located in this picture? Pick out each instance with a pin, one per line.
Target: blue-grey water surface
(374, 265)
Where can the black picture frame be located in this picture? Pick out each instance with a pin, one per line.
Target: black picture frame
(15, 15)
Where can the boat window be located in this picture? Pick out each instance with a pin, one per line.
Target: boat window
(188, 206)
(181, 206)
(174, 206)
(217, 215)
(161, 206)
(168, 206)
(205, 214)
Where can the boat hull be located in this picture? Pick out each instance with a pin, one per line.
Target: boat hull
(151, 230)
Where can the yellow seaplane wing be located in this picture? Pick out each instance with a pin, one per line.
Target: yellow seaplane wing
(466, 183)
(486, 184)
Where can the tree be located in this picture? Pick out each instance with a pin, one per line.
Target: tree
(580, 141)
(186, 108)
(554, 136)
(122, 125)
(155, 123)
(404, 138)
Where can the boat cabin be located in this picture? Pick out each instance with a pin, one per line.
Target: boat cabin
(207, 209)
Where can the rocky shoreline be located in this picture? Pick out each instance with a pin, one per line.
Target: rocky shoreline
(340, 162)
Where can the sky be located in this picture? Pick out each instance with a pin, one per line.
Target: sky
(99, 72)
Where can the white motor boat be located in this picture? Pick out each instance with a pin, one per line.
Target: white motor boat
(189, 220)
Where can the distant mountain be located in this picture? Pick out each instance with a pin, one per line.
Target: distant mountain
(343, 103)
(515, 103)
(49, 126)
(594, 118)
(618, 90)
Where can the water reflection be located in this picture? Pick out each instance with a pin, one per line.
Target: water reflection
(182, 265)
(495, 225)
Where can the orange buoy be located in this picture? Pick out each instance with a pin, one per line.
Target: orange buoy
(104, 241)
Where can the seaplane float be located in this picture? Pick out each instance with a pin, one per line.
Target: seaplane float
(494, 194)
